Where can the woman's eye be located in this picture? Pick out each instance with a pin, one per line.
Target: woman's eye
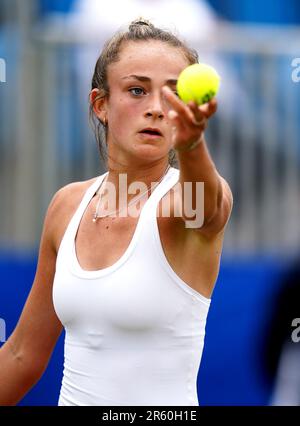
(136, 91)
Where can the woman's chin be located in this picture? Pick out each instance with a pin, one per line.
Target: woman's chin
(151, 151)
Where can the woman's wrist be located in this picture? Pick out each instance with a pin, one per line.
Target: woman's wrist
(189, 147)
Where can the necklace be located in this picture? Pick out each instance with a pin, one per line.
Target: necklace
(97, 215)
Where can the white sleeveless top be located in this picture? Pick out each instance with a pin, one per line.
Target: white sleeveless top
(134, 330)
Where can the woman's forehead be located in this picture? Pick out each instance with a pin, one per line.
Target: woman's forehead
(149, 55)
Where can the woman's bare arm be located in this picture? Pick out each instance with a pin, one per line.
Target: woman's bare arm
(25, 355)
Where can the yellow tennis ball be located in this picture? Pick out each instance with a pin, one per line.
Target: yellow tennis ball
(199, 83)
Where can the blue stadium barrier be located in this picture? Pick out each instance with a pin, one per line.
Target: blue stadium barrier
(231, 371)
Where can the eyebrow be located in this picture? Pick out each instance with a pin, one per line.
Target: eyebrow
(147, 79)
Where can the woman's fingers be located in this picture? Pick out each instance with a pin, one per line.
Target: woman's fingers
(172, 114)
(209, 108)
(176, 104)
(191, 112)
(199, 117)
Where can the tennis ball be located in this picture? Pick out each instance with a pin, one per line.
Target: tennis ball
(199, 83)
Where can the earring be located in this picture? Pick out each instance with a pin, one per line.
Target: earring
(104, 122)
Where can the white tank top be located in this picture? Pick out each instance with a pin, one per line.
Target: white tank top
(134, 330)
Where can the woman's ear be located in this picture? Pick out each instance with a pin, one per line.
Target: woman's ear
(98, 102)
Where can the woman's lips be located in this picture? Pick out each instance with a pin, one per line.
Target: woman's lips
(145, 135)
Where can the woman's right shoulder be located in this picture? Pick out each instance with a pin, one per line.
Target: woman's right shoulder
(62, 207)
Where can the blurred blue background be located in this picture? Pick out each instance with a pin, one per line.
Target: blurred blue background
(45, 143)
(268, 11)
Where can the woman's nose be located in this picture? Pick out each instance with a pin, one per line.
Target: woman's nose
(155, 109)
(155, 113)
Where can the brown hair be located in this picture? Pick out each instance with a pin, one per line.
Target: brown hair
(138, 30)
